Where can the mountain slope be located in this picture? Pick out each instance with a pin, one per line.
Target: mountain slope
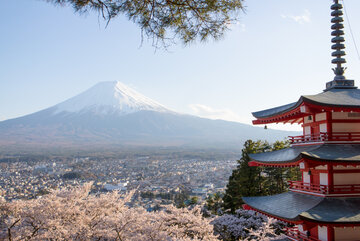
(109, 98)
(112, 114)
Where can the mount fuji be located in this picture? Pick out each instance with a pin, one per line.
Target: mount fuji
(112, 114)
(109, 98)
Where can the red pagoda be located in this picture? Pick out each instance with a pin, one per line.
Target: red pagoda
(325, 204)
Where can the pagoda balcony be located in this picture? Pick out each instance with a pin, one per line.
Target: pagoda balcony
(295, 234)
(326, 137)
(324, 189)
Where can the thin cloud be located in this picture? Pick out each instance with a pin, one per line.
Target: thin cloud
(216, 114)
(301, 19)
(226, 114)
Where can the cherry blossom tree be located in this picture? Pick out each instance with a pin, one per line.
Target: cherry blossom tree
(73, 214)
(247, 225)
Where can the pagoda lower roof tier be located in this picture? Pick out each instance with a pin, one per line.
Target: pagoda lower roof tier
(295, 207)
(333, 100)
(341, 153)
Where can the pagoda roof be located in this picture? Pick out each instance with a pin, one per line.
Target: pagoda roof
(296, 206)
(339, 210)
(336, 98)
(288, 205)
(274, 111)
(324, 152)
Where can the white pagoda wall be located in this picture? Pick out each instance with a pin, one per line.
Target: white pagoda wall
(346, 127)
(307, 120)
(322, 167)
(306, 177)
(322, 233)
(301, 229)
(341, 167)
(346, 178)
(320, 117)
(345, 116)
(323, 127)
(347, 234)
(336, 127)
(324, 179)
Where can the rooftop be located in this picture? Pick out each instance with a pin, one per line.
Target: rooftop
(301, 206)
(347, 153)
(333, 99)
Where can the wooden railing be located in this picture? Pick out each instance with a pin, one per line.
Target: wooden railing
(345, 136)
(345, 189)
(309, 138)
(325, 189)
(323, 136)
(298, 185)
(295, 234)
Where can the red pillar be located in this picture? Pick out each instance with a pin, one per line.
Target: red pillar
(311, 176)
(329, 124)
(330, 233)
(302, 126)
(330, 169)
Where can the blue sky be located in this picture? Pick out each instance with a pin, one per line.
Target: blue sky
(279, 50)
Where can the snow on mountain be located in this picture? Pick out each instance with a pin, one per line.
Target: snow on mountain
(109, 98)
(112, 114)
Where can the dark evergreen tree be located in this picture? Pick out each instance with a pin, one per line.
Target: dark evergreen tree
(245, 180)
(194, 200)
(214, 203)
(257, 181)
(274, 181)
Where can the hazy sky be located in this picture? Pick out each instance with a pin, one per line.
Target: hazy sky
(278, 51)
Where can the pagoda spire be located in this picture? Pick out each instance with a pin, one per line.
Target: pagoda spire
(338, 47)
(338, 40)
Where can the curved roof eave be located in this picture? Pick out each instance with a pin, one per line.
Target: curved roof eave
(274, 205)
(287, 155)
(326, 212)
(309, 207)
(349, 153)
(276, 111)
(337, 98)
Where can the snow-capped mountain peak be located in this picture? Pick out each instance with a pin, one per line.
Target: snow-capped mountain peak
(109, 98)
(112, 115)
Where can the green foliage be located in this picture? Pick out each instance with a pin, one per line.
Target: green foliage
(214, 203)
(72, 175)
(245, 180)
(180, 197)
(194, 200)
(167, 20)
(256, 181)
(147, 194)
